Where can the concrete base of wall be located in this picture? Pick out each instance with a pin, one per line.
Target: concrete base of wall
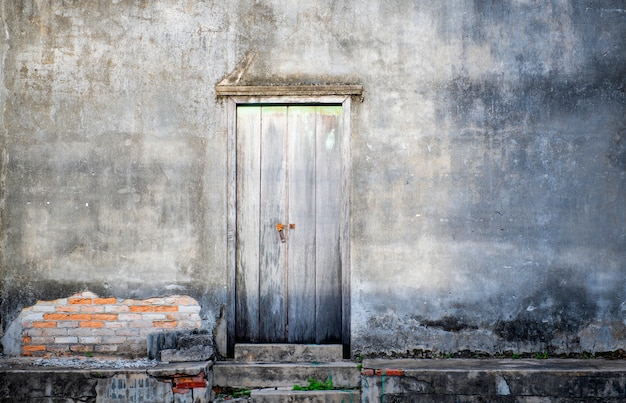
(21, 381)
(453, 380)
(446, 380)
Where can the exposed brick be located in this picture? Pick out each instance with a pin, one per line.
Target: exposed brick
(82, 348)
(165, 308)
(189, 308)
(116, 325)
(56, 316)
(142, 324)
(105, 316)
(91, 324)
(47, 332)
(91, 308)
(80, 301)
(389, 372)
(184, 379)
(367, 372)
(90, 340)
(85, 322)
(87, 331)
(154, 316)
(43, 308)
(105, 301)
(68, 308)
(69, 323)
(128, 332)
(34, 348)
(190, 382)
(165, 324)
(113, 340)
(66, 340)
(80, 316)
(154, 301)
(43, 340)
(129, 316)
(44, 324)
(106, 348)
(178, 300)
(191, 385)
(117, 308)
(33, 316)
(141, 308)
(58, 348)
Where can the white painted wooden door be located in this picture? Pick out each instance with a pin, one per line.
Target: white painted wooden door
(288, 283)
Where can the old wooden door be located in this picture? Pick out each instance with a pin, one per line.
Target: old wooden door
(288, 264)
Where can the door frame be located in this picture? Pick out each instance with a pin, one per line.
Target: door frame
(232, 102)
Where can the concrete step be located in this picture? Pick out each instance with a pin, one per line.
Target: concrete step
(288, 352)
(258, 375)
(283, 395)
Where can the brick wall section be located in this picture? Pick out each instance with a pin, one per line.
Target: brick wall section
(87, 324)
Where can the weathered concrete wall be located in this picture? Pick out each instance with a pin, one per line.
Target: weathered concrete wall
(112, 185)
(488, 158)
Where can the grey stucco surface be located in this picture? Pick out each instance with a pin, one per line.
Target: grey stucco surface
(488, 158)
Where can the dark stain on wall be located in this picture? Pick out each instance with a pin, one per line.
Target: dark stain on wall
(449, 324)
(555, 309)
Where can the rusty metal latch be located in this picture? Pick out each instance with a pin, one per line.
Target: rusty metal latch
(281, 232)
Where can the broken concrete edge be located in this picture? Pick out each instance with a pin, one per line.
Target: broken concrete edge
(181, 346)
(400, 367)
(162, 370)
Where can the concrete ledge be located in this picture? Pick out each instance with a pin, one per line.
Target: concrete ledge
(497, 380)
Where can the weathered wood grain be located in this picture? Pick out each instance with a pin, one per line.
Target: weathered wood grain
(327, 223)
(273, 281)
(248, 225)
(301, 270)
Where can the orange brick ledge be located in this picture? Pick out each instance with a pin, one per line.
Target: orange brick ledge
(84, 323)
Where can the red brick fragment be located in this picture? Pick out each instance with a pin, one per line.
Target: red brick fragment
(389, 372)
(191, 385)
(79, 301)
(105, 301)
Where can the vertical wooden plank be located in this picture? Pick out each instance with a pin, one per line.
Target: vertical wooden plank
(248, 215)
(273, 284)
(301, 242)
(231, 229)
(328, 223)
